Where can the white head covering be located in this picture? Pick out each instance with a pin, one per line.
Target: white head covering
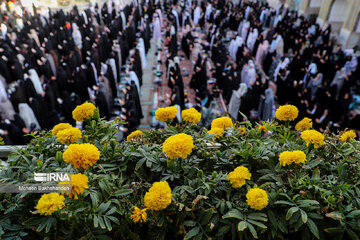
(76, 36)
(27, 114)
(34, 77)
(133, 77)
(141, 47)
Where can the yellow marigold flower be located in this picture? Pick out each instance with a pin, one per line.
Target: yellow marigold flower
(158, 197)
(314, 137)
(304, 124)
(69, 135)
(59, 127)
(191, 115)
(78, 184)
(222, 122)
(287, 113)
(139, 215)
(242, 131)
(348, 136)
(257, 198)
(83, 111)
(218, 131)
(134, 134)
(49, 203)
(165, 114)
(262, 128)
(81, 155)
(178, 146)
(287, 157)
(238, 176)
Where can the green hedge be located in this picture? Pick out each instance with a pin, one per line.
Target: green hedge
(316, 200)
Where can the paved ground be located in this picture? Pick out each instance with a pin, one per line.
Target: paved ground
(154, 96)
(147, 89)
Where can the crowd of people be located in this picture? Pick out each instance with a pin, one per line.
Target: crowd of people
(261, 58)
(255, 56)
(53, 61)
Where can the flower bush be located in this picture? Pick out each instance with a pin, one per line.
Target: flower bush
(83, 111)
(178, 146)
(178, 183)
(348, 136)
(313, 137)
(304, 124)
(139, 215)
(81, 155)
(288, 157)
(191, 115)
(158, 197)
(134, 135)
(78, 184)
(257, 198)
(238, 177)
(222, 122)
(287, 113)
(166, 114)
(219, 132)
(59, 127)
(69, 135)
(50, 203)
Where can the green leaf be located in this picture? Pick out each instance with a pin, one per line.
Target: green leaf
(111, 211)
(282, 225)
(114, 219)
(139, 163)
(101, 222)
(351, 234)
(304, 216)
(242, 226)
(307, 203)
(353, 214)
(206, 217)
(122, 192)
(49, 223)
(103, 207)
(314, 215)
(42, 225)
(192, 233)
(104, 186)
(107, 223)
(290, 212)
(228, 204)
(80, 209)
(223, 230)
(252, 230)
(257, 216)
(334, 215)
(334, 230)
(33, 221)
(259, 224)
(59, 156)
(189, 223)
(295, 218)
(313, 228)
(298, 224)
(284, 202)
(96, 221)
(94, 199)
(264, 185)
(234, 213)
